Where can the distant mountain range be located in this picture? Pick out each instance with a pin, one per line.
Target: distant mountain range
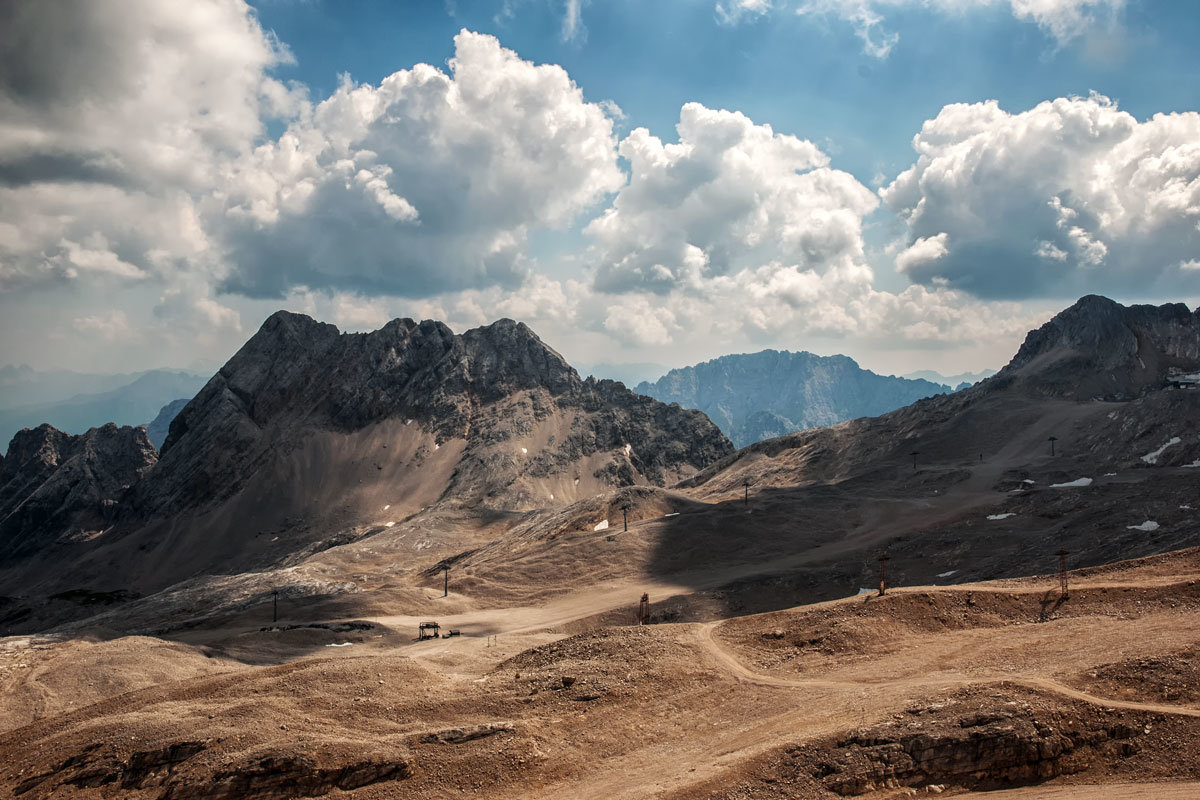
(134, 400)
(756, 396)
(960, 381)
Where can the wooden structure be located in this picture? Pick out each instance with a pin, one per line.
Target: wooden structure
(644, 610)
(428, 630)
(1062, 573)
(883, 559)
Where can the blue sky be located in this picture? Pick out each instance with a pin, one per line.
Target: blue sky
(805, 76)
(169, 179)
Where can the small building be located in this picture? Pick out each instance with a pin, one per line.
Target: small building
(1183, 380)
(428, 630)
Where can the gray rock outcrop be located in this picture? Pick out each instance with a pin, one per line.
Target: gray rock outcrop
(54, 485)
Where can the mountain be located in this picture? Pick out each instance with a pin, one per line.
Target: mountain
(308, 435)
(1098, 348)
(158, 428)
(628, 374)
(959, 381)
(22, 385)
(129, 404)
(756, 396)
(54, 485)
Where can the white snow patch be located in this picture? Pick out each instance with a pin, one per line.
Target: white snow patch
(389, 505)
(628, 449)
(947, 573)
(577, 481)
(1110, 474)
(672, 514)
(551, 495)
(1186, 508)
(1148, 525)
(343, 644)
(524, 451)
(275, 539)
(389, 524)
(437, 446)
(999, 516)
(1028, 481)
(408, 422)
(1195, 463)
(1152, 457)
(602, 525)
(1072, 484)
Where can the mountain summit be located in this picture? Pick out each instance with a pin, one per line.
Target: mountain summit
(309, 436)
(1100, 348)
(756, 396)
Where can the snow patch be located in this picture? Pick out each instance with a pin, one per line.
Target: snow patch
(1195, 463)
(672, 514)
(389, 524)
(1152, 457)
(947, 573)
(275, 539)
(1072, 484)
(1110, 474)
(389, 505)
(602, 525)
(577, 481)
(524, 451)
(1185, 508)
(342, 644)
(1148, 525)
(551, 495)
(628, 449)
(437, 446)
(1028, 481)
(998, 516)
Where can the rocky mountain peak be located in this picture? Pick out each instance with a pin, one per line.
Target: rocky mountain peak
(51, 481)
(1100, 348)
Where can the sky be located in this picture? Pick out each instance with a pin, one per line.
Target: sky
(914, 183)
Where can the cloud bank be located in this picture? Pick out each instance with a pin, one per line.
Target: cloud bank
(135, 163)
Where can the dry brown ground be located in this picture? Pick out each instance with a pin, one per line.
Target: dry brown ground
(739, 708)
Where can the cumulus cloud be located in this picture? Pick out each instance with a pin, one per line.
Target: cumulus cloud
(1063, 20)
(729, 195)
(1069, 197)
(426, 183)
(122, 111)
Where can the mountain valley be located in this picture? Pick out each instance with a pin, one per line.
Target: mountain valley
(241, 620)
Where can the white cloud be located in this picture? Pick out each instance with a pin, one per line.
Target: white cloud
(922, 251)
(572, 26)
(1104, 202)
(731, 12)
(1063, 20)
(426, 183)
(122, 111)
(729, 195)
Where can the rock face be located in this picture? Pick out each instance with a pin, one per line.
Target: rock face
(160, 426)
(309, 438)
(475, 392)
(1099, 348)
(55, 485)
(757, 396)
(982, 751)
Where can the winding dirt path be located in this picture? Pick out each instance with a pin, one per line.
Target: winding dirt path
(742, 673)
